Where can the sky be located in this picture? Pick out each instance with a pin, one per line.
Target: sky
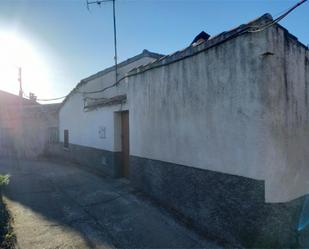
(59, 42)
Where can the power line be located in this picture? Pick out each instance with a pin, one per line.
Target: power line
(250, 29)
(102, 90)
(53, 98)
(278, 19)
(261, 28)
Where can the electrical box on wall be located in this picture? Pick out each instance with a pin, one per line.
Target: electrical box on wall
(102, 132)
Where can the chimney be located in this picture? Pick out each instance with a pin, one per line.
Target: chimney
(200, 38)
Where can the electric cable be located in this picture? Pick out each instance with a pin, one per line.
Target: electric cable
(278, 19)
(250, 29)
(237, 34)
(53, 98)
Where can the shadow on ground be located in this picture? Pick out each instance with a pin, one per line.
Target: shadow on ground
(57, 205)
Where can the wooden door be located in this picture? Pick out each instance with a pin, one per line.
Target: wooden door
(125, 144)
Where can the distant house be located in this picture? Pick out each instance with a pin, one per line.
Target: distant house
(217, 132)
(26, 127)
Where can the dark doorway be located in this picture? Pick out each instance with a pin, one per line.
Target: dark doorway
(125, 144)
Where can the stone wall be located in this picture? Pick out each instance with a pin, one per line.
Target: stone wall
(224, 207)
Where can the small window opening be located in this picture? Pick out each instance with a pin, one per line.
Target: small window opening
(66, 139)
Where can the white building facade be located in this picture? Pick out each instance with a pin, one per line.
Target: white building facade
(92, 121)
(217, 132)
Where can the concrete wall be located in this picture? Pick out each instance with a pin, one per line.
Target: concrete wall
(226, 110)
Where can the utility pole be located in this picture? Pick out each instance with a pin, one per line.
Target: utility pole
(99, 2)
(21, 93)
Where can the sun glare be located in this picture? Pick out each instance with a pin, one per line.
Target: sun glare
(15, 52)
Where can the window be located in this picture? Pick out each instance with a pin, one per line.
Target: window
(66, 139)
(53, 136)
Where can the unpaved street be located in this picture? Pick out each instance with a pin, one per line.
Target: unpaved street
(60, 206)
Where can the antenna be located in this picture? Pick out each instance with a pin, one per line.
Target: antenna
(99, 2)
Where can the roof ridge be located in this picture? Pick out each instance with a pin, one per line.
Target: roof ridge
(212, 41)
(144, 53)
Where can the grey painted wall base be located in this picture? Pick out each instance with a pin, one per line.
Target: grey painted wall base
(224, 207)
(100, 161)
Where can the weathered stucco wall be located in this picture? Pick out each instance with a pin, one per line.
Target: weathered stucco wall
(225, 110)
(285, 100)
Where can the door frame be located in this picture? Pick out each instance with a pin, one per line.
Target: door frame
(125, 144)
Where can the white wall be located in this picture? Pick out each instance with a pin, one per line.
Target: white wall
(239, 108)
(288, 107)
(84, 126)
(203, 111)
(224, 110)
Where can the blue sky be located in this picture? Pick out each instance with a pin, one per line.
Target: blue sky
(75, 43)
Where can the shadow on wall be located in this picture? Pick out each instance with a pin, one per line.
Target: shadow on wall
(96, 160)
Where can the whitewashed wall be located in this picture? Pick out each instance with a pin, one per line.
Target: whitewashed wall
(225, 110)
(84, 126)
